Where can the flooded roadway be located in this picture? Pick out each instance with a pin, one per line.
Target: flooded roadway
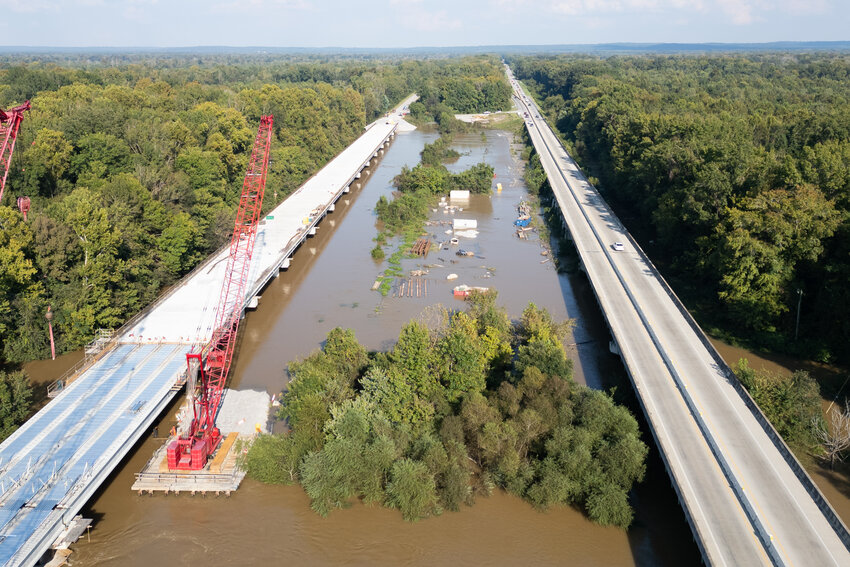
(328, 285)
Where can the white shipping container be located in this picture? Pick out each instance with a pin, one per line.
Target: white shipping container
(463, 224)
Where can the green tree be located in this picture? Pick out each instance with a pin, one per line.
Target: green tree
(101, 296)
(763, 242)
(791, 403)
(355, 460)
(15, 401)
(412, 490)
(463, 369)
(45, 162)
(16, 269)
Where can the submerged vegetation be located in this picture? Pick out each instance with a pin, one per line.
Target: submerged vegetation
(438, 151)
(418, 189)
(463, 403)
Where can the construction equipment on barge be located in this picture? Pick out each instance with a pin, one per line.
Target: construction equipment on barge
(209, 367)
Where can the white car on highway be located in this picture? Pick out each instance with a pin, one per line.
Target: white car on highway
(618, 246)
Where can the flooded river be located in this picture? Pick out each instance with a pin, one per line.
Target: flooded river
(328, 285)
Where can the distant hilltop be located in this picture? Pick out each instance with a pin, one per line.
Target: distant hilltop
(450, 50)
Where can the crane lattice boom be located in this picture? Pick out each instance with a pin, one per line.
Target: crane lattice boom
(213, 361)
(10, 121)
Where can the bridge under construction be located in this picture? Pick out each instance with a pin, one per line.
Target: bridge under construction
(54, 463)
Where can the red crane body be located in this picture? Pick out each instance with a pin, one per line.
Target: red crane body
(10, 121)
(212, 363)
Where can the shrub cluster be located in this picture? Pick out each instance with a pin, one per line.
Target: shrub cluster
(464, 402)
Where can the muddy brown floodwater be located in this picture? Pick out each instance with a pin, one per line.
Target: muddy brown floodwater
(328, 285)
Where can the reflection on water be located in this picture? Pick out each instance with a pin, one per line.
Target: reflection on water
(328, 285)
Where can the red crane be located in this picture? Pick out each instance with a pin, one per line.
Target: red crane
(10, 121)
(208, 368)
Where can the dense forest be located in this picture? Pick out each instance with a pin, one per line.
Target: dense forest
(463, 403)
(134, 170)
(734, 172)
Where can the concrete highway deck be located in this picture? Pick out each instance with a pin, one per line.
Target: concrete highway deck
(188, 314)
(53, 463)
(746, 501)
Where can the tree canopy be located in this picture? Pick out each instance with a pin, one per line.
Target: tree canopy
(134, 167)
(733, 170)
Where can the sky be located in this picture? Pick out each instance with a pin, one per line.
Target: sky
(415, 23)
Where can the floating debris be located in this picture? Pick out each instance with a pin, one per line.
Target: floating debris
(464, 290)
(413, 287)
(421, 247)
(451, 277)
(464, 224)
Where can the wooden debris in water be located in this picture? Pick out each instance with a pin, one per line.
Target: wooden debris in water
(413, 287)
(421, 247)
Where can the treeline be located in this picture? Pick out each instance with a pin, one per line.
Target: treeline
(735, 173)
(132, 186)
(463, 403)
(134, 171)
(468, 84)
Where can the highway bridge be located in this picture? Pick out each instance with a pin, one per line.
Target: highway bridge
(53, 463)
(746, 497)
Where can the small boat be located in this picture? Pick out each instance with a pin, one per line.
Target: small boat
(454, 241)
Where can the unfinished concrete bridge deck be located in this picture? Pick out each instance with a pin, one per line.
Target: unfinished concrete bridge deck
(53, 463)
(747, 499)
